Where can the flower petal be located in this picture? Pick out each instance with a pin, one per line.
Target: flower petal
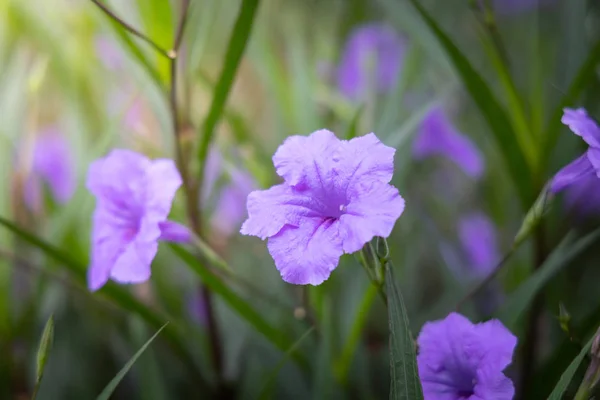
(366, 157)
(133, 266)
(582, 125)
(478, 237)
(119, 180)
(171, 231)
(162, 182)
(300, 159)
(308, 253)
(269, 210)
(495, 343)
(492, 384)
(371, 212)
(110, 237)
(572, 173)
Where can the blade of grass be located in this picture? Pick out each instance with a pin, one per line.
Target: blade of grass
(344, 362)
(586, 72)
(567, 376)
(44, 349)
(233, 57)
(490, 108)
(110, 291)
(112, 385)
(519, 300)
(405, 383)
(238, 304)
(265, 393)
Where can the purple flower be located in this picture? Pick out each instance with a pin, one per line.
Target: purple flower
(372, 45)
(459, 360)
(582, 198)
(587, 165)
(438, 136)
(478, 236)
(133, 199)
(51, 164)
(334, 199)
(231, 207)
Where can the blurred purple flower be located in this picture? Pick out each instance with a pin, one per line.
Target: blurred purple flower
(108, 52)
(478, 237)
(231, 207)
(588, 164)
(335, 198)
(133, 199)
(52, 164)
(459, 360)
(437, 136)
(371, 45)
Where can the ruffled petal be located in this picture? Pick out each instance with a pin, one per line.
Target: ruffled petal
(162, 182)
(110, 236)
(573, 172)
(119, 174)
(133, 266)
(269, 210)
(371, 212)
(582, 125)
(493, 384)
(301, 160)
(439, 137)
(308, 253)
(366, 158)
(495, 343)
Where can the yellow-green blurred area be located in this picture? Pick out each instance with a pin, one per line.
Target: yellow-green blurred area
(502, 78)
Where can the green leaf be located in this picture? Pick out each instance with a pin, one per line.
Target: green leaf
(405, 383)
(490, 108)
(233, 57)
(354, 124)
(43, 352)
(580, 82)
(567, 376)
(533, 217)
(519, 300)
(112, 385)
(111, 291)
(239, 305)
(134, 51)
(265, 393)
(344, 362)
(157, 18)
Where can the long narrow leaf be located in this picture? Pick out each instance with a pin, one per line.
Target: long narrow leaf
(239, 305)
(490, 108)
(233, 57)
(111, 291)
(567, 376)
(581, 80)
(267, 388)
(112, 385)
(519, 300)
(44, 349)
(405, 383)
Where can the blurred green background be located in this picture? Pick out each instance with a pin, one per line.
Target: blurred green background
(503, 78)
